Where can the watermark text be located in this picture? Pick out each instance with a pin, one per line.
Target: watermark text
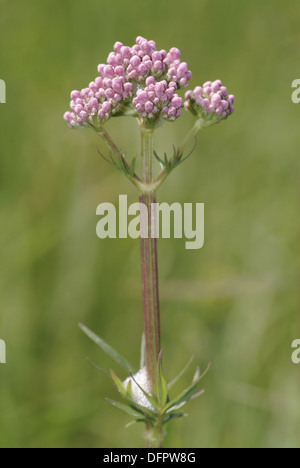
(296, 353)
(2, 92)
(296, 93)
(175, 220)
(2, 352)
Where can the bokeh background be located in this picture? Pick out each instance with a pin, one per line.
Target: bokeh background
(234, 303)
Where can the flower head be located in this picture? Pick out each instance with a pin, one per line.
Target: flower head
(210, 102)
(138, 80)
(158, 98)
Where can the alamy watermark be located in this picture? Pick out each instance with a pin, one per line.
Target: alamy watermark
(187, 221)
(296, 353)
(2, 92)
(296, 93)
(2, 352)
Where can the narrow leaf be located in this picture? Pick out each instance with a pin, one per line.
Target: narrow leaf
(158, 158)
(196, 395)
(131, 423)
(123, 407)
(173, 416)
(118, 382)
(97, 367)
(146, 412)
(188, 392)
(162, 388)
(108, 349)
(173, 382)
(128, 390)
(197, 374)
(166, 162)
(176, 407)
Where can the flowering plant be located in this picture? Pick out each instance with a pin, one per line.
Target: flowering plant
(142, 82)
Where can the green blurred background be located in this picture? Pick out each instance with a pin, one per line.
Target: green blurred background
(234, 303)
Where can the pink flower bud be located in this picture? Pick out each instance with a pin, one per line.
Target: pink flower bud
(101, 68)
(111, 59)
(117, 85)
(120, 70)
(216, 99)
(182, 69)
(84, 115)
(75, 94)
(148, 106)
(98, 81)
(108, 71)
(150, 80)
(128, 87)
(157, 66)
(118, 46)
(176, 101)
(142, 69)
(174, 53)
(67, 116)
(106, 106)
(109, 93)
(135, 61)
(125, 52)
(142, 96)
(156, 56)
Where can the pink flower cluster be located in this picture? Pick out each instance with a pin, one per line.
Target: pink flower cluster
(210, 101)
(158, 97)
(97, 102)
(137, 78)
(143, 60)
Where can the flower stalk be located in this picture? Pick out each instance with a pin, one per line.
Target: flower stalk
(149, 262)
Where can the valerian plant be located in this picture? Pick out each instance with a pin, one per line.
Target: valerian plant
(142, 82)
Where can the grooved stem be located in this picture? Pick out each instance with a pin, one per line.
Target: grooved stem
(149, 263)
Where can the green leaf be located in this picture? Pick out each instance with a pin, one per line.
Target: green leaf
(197, 374)
(196, 395)
(131, 423)
(173, 416)
(97, 367)
(158, 158)
(181, 373)
(166, 162)
(108, 349)
(118, 382)
(176, 407)
(188, 392)
(146, 412)
(123, 407)
(128, 390)
(162, 388)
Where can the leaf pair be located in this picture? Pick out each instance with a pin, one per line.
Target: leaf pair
(122, 165)
(177, 158)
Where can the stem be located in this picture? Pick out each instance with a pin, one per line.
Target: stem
(109, 142)
(149, 263)
(154, 435)
(191, 135)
